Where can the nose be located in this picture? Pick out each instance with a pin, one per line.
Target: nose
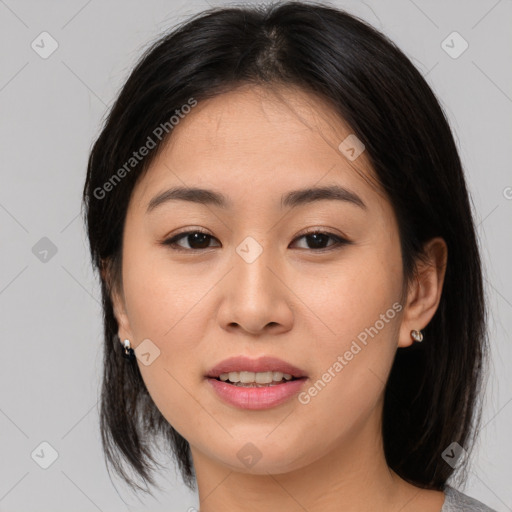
(255, 296)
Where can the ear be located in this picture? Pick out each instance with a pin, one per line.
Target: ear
(115, 288)
(425, 293)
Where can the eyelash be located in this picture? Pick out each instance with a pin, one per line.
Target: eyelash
(172, 242)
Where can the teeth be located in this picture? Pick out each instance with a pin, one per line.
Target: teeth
(254, 377)
(247, 377)
(234, 377)
(261, 377)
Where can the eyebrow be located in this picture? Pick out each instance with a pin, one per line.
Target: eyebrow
(291, 199)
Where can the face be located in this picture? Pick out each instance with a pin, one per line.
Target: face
(249, 279)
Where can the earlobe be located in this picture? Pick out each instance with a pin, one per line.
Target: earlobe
(425, 292)
(118, 303)
(123, 323)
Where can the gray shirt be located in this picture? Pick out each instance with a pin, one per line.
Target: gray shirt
(456, 501)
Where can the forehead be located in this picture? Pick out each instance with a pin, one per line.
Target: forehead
(255, 141)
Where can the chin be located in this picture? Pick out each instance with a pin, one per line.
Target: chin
(260, 457)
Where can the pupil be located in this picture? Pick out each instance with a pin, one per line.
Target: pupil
(201, 237)
(318, 238)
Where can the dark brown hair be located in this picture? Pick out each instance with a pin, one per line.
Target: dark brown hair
(432, 391)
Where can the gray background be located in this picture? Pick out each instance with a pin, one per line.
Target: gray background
(51, 111)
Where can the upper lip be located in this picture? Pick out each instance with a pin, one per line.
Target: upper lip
(262, 364)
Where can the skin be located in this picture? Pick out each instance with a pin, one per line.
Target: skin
(295, 302)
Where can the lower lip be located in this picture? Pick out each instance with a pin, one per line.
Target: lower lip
(256, 398)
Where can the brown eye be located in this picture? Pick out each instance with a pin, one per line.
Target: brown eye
(317, 240)
(197, 240)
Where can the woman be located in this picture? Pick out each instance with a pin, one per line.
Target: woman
(289, 265)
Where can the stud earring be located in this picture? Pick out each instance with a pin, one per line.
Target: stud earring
(417, 335)
(128, 352)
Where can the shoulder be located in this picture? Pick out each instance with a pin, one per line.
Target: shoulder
(456, 501)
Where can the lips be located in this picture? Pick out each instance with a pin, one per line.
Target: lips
(262, 364)
(256, 396)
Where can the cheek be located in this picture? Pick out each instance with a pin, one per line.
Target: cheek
(165, 306)
(355, 343)
(161, 298)
(356, 293)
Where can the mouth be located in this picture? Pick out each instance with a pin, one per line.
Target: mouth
(256, 383)
(264, 371)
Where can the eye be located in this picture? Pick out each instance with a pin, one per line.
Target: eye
(198, 240)
(318, 238)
